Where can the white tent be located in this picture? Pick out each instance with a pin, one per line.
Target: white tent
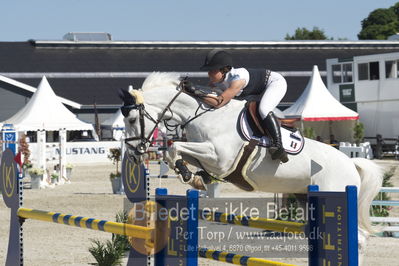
(115, 121)
(317, 108)
(44, 111)
(115, 124)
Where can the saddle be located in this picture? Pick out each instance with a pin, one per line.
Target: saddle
(248, 125)
(255, 117)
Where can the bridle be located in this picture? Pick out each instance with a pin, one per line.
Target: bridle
(140, 149)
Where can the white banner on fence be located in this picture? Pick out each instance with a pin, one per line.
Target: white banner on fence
(78, 152)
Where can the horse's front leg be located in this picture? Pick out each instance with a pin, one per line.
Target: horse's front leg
(201, 151)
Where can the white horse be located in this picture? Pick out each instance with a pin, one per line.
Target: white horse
(214, 144)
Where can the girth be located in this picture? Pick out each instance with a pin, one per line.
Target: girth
(236, 177)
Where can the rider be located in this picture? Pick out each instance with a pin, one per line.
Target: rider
(240, 83)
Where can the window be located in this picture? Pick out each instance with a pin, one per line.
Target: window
(336, 73)
(369, 71)
(374, 71)
(342, 73)
(347, 72)
(363, 70)
(397, 68)
(391, 69)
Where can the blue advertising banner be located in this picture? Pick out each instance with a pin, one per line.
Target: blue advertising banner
(181, 213)
(9, 140)
(332, 232)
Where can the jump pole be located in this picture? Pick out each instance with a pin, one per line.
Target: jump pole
(88, 223)
(136, 188)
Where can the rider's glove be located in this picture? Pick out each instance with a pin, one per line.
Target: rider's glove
(188, 86)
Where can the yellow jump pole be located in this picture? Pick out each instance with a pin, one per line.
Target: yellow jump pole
(89, 223)
(237, 259)
(261, 223)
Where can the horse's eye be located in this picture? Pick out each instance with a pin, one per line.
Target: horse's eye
(132, 121)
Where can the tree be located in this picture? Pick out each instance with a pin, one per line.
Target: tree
(305, 34)
(358, 132)
(115, 156)
(395, 9)
(380, 24)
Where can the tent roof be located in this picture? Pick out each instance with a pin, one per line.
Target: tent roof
(115, 121)
(317, 104)
(32, 89)
(44, 111)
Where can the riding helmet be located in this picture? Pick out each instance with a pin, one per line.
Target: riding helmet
(217, 59)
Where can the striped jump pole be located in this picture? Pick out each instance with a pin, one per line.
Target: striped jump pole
(136, 190)
(260, 223)
(237, 259)
(88, 223)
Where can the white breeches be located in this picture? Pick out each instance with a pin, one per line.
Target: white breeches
(276, 88)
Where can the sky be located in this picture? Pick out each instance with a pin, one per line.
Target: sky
(183, 20)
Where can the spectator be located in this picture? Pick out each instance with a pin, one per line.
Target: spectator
(334, 142)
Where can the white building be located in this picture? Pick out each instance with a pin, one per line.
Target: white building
(368, 85)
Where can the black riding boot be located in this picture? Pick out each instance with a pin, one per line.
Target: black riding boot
(271, 125)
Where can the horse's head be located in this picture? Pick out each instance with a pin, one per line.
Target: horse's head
(141, 120)
(134, 112)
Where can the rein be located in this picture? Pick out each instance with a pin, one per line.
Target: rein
(196, 116)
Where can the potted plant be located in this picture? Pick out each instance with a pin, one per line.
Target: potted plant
(309, 133)
(54, 178)
(24, 149)
(25, 167)
(69, 168)
(111, 252)
(36, 175)
(358, 132)
(115, 177)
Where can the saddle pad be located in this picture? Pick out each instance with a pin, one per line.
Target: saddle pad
(293, 141)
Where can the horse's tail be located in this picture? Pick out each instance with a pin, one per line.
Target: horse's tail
(371, 181)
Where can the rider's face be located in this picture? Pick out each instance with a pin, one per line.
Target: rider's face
(215, 76)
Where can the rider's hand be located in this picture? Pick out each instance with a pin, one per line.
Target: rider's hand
(188, 86)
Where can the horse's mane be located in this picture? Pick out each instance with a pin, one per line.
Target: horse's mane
(160, 79)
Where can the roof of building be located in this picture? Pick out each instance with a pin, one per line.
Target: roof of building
(85, 72)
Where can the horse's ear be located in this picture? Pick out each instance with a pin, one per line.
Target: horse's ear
(138, 96)
(126, 97)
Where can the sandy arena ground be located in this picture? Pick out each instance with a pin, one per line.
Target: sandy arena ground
(90, 194)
